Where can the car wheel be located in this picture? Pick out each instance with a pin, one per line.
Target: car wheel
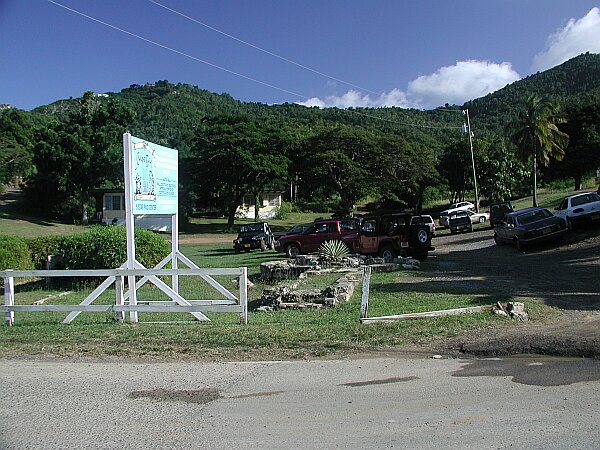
(292, 251)
(482, 219)
(497, 240)
(388, 253)
(520, 245)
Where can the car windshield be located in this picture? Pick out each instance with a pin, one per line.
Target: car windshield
(251, 227)
(503, 207)
(583, 199)
(533, 216)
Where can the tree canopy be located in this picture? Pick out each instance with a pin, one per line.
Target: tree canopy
(536, 135)
(75, 156)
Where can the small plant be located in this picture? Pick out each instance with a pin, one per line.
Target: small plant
(333, 249)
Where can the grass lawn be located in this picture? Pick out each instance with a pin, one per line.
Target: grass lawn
(278, 334)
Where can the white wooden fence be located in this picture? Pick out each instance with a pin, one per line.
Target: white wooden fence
(116, 277)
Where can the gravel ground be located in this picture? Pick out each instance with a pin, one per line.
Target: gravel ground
(564, 275)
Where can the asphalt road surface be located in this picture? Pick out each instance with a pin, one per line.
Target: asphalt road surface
(387, 402)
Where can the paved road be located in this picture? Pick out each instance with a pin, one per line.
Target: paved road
(361, 403)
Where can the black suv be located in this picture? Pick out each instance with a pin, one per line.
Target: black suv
(498, 210)
(254, 236)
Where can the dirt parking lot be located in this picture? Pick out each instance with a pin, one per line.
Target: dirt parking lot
(564, 275)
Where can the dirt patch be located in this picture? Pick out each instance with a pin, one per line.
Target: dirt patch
(562, 275)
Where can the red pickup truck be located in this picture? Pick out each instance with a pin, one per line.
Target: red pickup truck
(386, 235)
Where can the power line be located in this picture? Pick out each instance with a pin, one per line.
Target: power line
(166, 47)
(176, 51)
(256, 47)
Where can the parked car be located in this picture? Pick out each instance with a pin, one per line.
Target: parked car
(459, 221)
(460, 206)
(424, 219)
(579, 208)
(318, 232)
(478, 217)
(386, 235)
(391, 235)
(529, 226)
(252, 236)
(498, 210)
(296, 229)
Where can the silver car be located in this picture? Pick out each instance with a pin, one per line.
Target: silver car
(579, 208)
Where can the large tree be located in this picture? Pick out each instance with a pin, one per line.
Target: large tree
(499, 171)
(536, 135)
(339, 160)
(77, 155)
(403, 171)
(16, 142)
(582, 155)
(455, 167)
(233, 156)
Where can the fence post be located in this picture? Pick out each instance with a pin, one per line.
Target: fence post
(364, 304)
(244, 295)
(9, 297)
(119, 300)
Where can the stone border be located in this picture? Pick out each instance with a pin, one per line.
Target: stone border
(285, 294)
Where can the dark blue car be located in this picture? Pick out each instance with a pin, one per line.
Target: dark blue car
(529, 226)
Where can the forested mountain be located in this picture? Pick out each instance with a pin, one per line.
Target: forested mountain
(569, 83)
(171, 113)
(228, 147)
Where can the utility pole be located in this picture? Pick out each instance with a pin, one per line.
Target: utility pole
(467, 129)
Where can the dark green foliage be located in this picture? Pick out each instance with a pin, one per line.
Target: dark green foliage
(582, 155)
(42, 247)
(75, 156)
(16, 143)
(106, 248)
(500, 174)
(233, 156)
(339, 160)
(536, 135)
(14, 253)
(78, 144)
(578, 77)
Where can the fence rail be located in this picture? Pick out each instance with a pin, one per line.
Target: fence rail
(116, 277)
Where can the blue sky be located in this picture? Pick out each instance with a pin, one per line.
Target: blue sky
(407, 53)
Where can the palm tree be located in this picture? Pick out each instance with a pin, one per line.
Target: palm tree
(536, 135)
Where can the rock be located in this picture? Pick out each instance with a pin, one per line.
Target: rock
(521, 316)
(515, 307)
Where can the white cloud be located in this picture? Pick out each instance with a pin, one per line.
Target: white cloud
(353, 99)
(464, 81)
(576, 37)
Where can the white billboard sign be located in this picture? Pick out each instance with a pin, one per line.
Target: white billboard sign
(153, 177)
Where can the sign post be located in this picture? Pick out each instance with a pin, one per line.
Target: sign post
(151, 187)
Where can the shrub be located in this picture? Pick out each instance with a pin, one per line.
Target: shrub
(42, 247)
(333, 249)
(283, 210)
(14, 253)
(106, 248)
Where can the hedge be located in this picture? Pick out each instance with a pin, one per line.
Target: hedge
(14, 253)
(105, 247)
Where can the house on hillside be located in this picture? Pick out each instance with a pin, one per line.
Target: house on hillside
(269, 203)
(110, 210)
